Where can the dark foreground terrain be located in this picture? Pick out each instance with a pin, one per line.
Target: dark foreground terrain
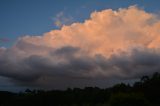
(146, 92)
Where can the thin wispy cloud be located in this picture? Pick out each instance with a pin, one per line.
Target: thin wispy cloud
(62, 19)
(4, 40)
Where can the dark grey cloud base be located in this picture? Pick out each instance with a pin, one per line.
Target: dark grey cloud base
(64, 69)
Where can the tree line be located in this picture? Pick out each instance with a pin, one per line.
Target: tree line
(145, 92)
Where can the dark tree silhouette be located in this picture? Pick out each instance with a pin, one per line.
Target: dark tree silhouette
(146, 92)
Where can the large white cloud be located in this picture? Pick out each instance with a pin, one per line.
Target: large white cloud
(122, 44)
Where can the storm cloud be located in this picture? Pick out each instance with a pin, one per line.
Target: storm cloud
(111, 45)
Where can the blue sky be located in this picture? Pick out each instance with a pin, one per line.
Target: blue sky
(35, 17)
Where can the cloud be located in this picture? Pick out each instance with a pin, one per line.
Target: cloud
(109, 47)
(62, 19)
(4, 40)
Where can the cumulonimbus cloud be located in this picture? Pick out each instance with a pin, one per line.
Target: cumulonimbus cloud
(122, 44)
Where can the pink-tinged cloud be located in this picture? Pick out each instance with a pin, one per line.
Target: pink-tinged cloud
(122, 44)
(4, 40)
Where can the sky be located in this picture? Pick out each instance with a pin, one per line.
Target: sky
(56, 44)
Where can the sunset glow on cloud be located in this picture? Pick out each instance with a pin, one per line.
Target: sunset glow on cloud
(111, 44)
(105, 32)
